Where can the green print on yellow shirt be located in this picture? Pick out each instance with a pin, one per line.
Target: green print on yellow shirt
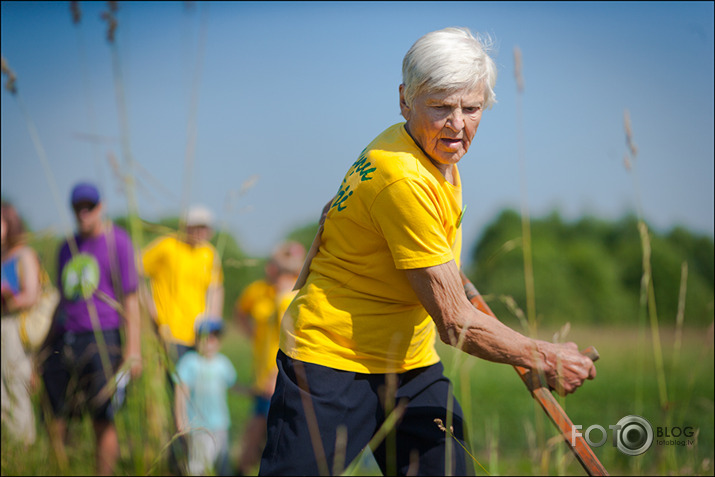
(362, 167)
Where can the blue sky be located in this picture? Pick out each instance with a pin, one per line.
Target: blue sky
(289, 93)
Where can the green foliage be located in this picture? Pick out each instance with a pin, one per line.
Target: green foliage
(590, 271)
(46, 244)
(511, 435)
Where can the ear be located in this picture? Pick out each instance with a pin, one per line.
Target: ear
(404, 108)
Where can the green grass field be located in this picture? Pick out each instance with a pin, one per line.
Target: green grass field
(508, 433)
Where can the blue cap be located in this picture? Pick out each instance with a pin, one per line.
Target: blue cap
(204, 327)
(85, 192)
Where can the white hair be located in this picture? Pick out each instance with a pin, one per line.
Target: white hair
(451, 59)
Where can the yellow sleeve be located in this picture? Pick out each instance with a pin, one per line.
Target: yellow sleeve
(407, 214)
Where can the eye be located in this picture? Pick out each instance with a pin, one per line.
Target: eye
(472, 109)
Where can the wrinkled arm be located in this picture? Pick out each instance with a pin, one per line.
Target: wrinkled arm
(460, 324)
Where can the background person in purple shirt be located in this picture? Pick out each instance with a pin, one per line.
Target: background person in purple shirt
(98, 282)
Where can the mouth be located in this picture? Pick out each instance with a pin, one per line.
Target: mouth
(451, 143)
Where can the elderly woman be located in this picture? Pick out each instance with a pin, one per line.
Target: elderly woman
(359, 338)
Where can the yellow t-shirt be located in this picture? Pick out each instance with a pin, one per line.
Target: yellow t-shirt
(265, 307)
(357, 311)
(180, 278)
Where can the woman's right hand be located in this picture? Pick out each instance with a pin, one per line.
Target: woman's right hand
(564, 367)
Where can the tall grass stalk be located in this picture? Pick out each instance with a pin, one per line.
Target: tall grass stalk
(525, 221)
(680, 317)
(312, 420)
(492, 432)
(155, 412)
(191, 130)
(466, 401)
(134, 222)
(647, 294)
(87, 88)
(388, 425)
(526, 229)
(647, 301)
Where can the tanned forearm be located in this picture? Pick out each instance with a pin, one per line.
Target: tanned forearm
(461, 324)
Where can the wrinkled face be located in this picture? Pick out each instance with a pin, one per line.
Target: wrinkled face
(443, 124)
(89, 217)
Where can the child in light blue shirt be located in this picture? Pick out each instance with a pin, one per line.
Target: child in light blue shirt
(204, 376)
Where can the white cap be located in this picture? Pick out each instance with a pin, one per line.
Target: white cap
(199, 215)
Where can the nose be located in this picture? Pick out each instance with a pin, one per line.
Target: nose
(455, 121)
(82, 213)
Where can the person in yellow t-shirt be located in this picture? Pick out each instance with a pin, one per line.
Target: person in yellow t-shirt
(382, 281)
(258, 312)
(186, 281)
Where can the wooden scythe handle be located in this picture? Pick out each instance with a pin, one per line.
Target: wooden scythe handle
(541, 392)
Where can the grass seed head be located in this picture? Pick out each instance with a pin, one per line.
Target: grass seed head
(517, 69)
(76, 12)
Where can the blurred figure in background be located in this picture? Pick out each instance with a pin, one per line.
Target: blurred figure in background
(258, 312)
(20, 290)
(97, 313)
(204, 377)
(186, 281)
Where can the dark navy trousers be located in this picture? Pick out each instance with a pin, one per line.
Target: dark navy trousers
(303, 426)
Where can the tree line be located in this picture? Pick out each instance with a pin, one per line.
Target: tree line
(591, 270)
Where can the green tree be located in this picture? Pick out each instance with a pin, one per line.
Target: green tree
(590, 270)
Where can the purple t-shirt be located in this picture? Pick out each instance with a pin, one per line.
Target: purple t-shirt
(87, 276)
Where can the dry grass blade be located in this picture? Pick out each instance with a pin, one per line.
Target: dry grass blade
(517, 70)
(11, 78)
(629, 134)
